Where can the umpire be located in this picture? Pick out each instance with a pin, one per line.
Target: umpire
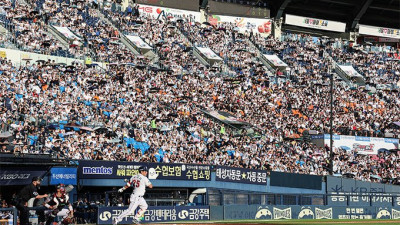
(28, 192)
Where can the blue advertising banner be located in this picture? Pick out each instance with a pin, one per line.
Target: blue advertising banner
(156, 214)
(397, 201)
(309, 212)
(20, 175)
(241, 175)
(362, 199)
(162, 171)
(361, 193)
(62, 175)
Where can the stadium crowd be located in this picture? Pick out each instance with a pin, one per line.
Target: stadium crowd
(29, 32)
(130, 111)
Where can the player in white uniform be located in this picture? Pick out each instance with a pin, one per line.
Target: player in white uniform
(139, 183)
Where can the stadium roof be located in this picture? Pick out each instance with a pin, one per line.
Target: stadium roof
(383, 13)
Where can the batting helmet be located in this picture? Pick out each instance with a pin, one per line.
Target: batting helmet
(61, 187)
(143, 168)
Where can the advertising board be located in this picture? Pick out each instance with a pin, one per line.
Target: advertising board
(314, 23)
(379, 31)
(121, 170)
(156, 214)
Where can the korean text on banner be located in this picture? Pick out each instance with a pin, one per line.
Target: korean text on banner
(61, 175)
(241, 175)
(156, 214)
(161, 171)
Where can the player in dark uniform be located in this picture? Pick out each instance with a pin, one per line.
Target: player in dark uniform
(59, 205)
(28, 192)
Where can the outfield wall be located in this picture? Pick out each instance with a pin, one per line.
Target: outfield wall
(253, 212)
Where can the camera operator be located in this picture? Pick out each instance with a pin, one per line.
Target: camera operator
(28, 192)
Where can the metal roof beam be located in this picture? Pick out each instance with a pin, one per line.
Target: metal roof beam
(360, 13)
(388, 8)
(282, 8)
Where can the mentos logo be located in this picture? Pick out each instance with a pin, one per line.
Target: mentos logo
(98, 170)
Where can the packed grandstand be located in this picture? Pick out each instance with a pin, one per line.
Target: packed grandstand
(144, 109)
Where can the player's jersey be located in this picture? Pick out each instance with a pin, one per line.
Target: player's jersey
(59, 202)
(139, 184)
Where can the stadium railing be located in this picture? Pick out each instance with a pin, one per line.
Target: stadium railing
(14, 213)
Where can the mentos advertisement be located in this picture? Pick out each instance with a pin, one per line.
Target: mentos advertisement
(262, 26)
(156, 11)
(363, 145)
(88, 169)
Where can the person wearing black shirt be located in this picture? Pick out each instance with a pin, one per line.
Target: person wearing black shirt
(28, 192)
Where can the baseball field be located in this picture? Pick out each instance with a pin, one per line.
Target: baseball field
(294, 222)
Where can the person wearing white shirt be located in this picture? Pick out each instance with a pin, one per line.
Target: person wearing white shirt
(139, 183)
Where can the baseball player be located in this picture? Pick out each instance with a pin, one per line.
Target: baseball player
(139, 183)
(59, 205)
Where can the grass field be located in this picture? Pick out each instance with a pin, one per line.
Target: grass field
(294, 222)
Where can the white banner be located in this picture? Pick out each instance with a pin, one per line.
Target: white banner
(350, 74)
(275, 61)
(262, 26)
(350, 71)
(155, 11)
(210, 54)
(67, 33)
(20, 57)
(138, 42)
(363, 145)
(315, 23)
(379, 31)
